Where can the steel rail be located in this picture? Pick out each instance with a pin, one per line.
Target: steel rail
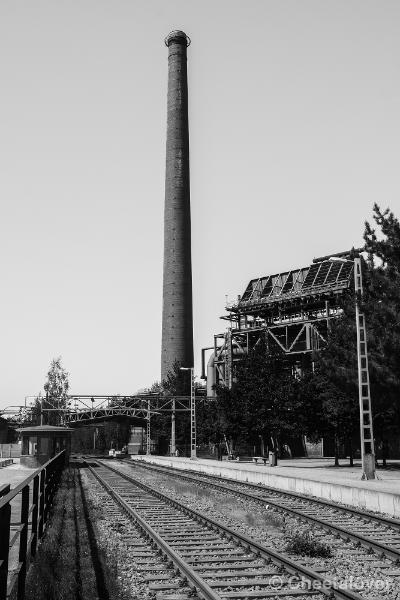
(192, 577)
(369, 543)
(317, 581)
(380, 519)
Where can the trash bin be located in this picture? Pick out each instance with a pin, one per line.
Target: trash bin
(272, 459)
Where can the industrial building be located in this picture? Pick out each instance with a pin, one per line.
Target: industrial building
(292, 310)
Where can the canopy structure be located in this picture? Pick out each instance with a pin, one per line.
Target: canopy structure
(324, 278)
(291, 310)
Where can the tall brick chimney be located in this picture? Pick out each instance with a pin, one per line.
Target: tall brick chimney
(177, 320)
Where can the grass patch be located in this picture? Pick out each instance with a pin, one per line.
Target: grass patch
(304, 543)
(274, 519)
(187, 489)
(232, 507)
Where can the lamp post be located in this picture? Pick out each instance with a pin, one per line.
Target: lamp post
(193, 453)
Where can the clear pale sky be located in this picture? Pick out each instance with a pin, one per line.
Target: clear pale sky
(294, 126)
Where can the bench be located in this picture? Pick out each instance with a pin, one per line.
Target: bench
(264, 459)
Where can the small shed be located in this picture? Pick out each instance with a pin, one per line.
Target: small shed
(41, 443)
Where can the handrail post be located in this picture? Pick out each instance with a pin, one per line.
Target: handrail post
(46, 495)
(23, 541)
(4, 489)
(5, 517)
(41, 505)
(35, 511)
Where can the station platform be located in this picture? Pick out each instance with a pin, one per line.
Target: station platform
(312, 477)
(14, 474)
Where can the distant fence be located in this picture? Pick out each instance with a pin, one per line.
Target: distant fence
(30, 502)
(10, 450)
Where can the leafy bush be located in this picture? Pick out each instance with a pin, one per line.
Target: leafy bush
(305, 543)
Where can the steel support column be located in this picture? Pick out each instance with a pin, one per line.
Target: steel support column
(148, 430)
(173, 429)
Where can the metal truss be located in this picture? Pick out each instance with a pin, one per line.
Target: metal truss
(319, 278)
(290, 310)
(83, 409)
(294, 339)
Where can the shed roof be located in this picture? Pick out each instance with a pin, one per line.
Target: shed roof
(44, 429)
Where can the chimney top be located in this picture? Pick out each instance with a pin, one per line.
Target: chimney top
(177, 37)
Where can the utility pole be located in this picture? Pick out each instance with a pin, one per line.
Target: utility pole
(364, 395)
(173, 429)
(148, 431)
(193, 442)
(193, 447)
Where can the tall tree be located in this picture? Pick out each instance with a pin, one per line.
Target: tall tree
(385, 245)
(336, 378)
(56, 388)
(382, 307)
(261, 406)
(177, 381)
(336, 375)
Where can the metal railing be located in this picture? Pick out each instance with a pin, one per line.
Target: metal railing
(23, 515)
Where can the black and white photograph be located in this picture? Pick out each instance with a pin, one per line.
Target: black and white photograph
(200, 300)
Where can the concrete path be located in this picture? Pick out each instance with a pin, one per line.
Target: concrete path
(323, 469)
(14, 474)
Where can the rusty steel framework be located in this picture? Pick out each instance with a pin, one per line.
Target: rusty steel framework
(141, 408)
(291, 310)
(84, 409)
(92, 409)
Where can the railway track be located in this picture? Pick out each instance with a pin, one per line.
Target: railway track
(377, 533)
(199, 556)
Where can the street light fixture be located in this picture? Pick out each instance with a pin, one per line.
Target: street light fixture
(193, 452)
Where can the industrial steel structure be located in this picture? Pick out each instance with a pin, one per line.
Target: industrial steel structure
(291, 310)
(82, 410)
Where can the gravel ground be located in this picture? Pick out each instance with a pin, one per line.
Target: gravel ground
(364, 573)
(113, 534)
